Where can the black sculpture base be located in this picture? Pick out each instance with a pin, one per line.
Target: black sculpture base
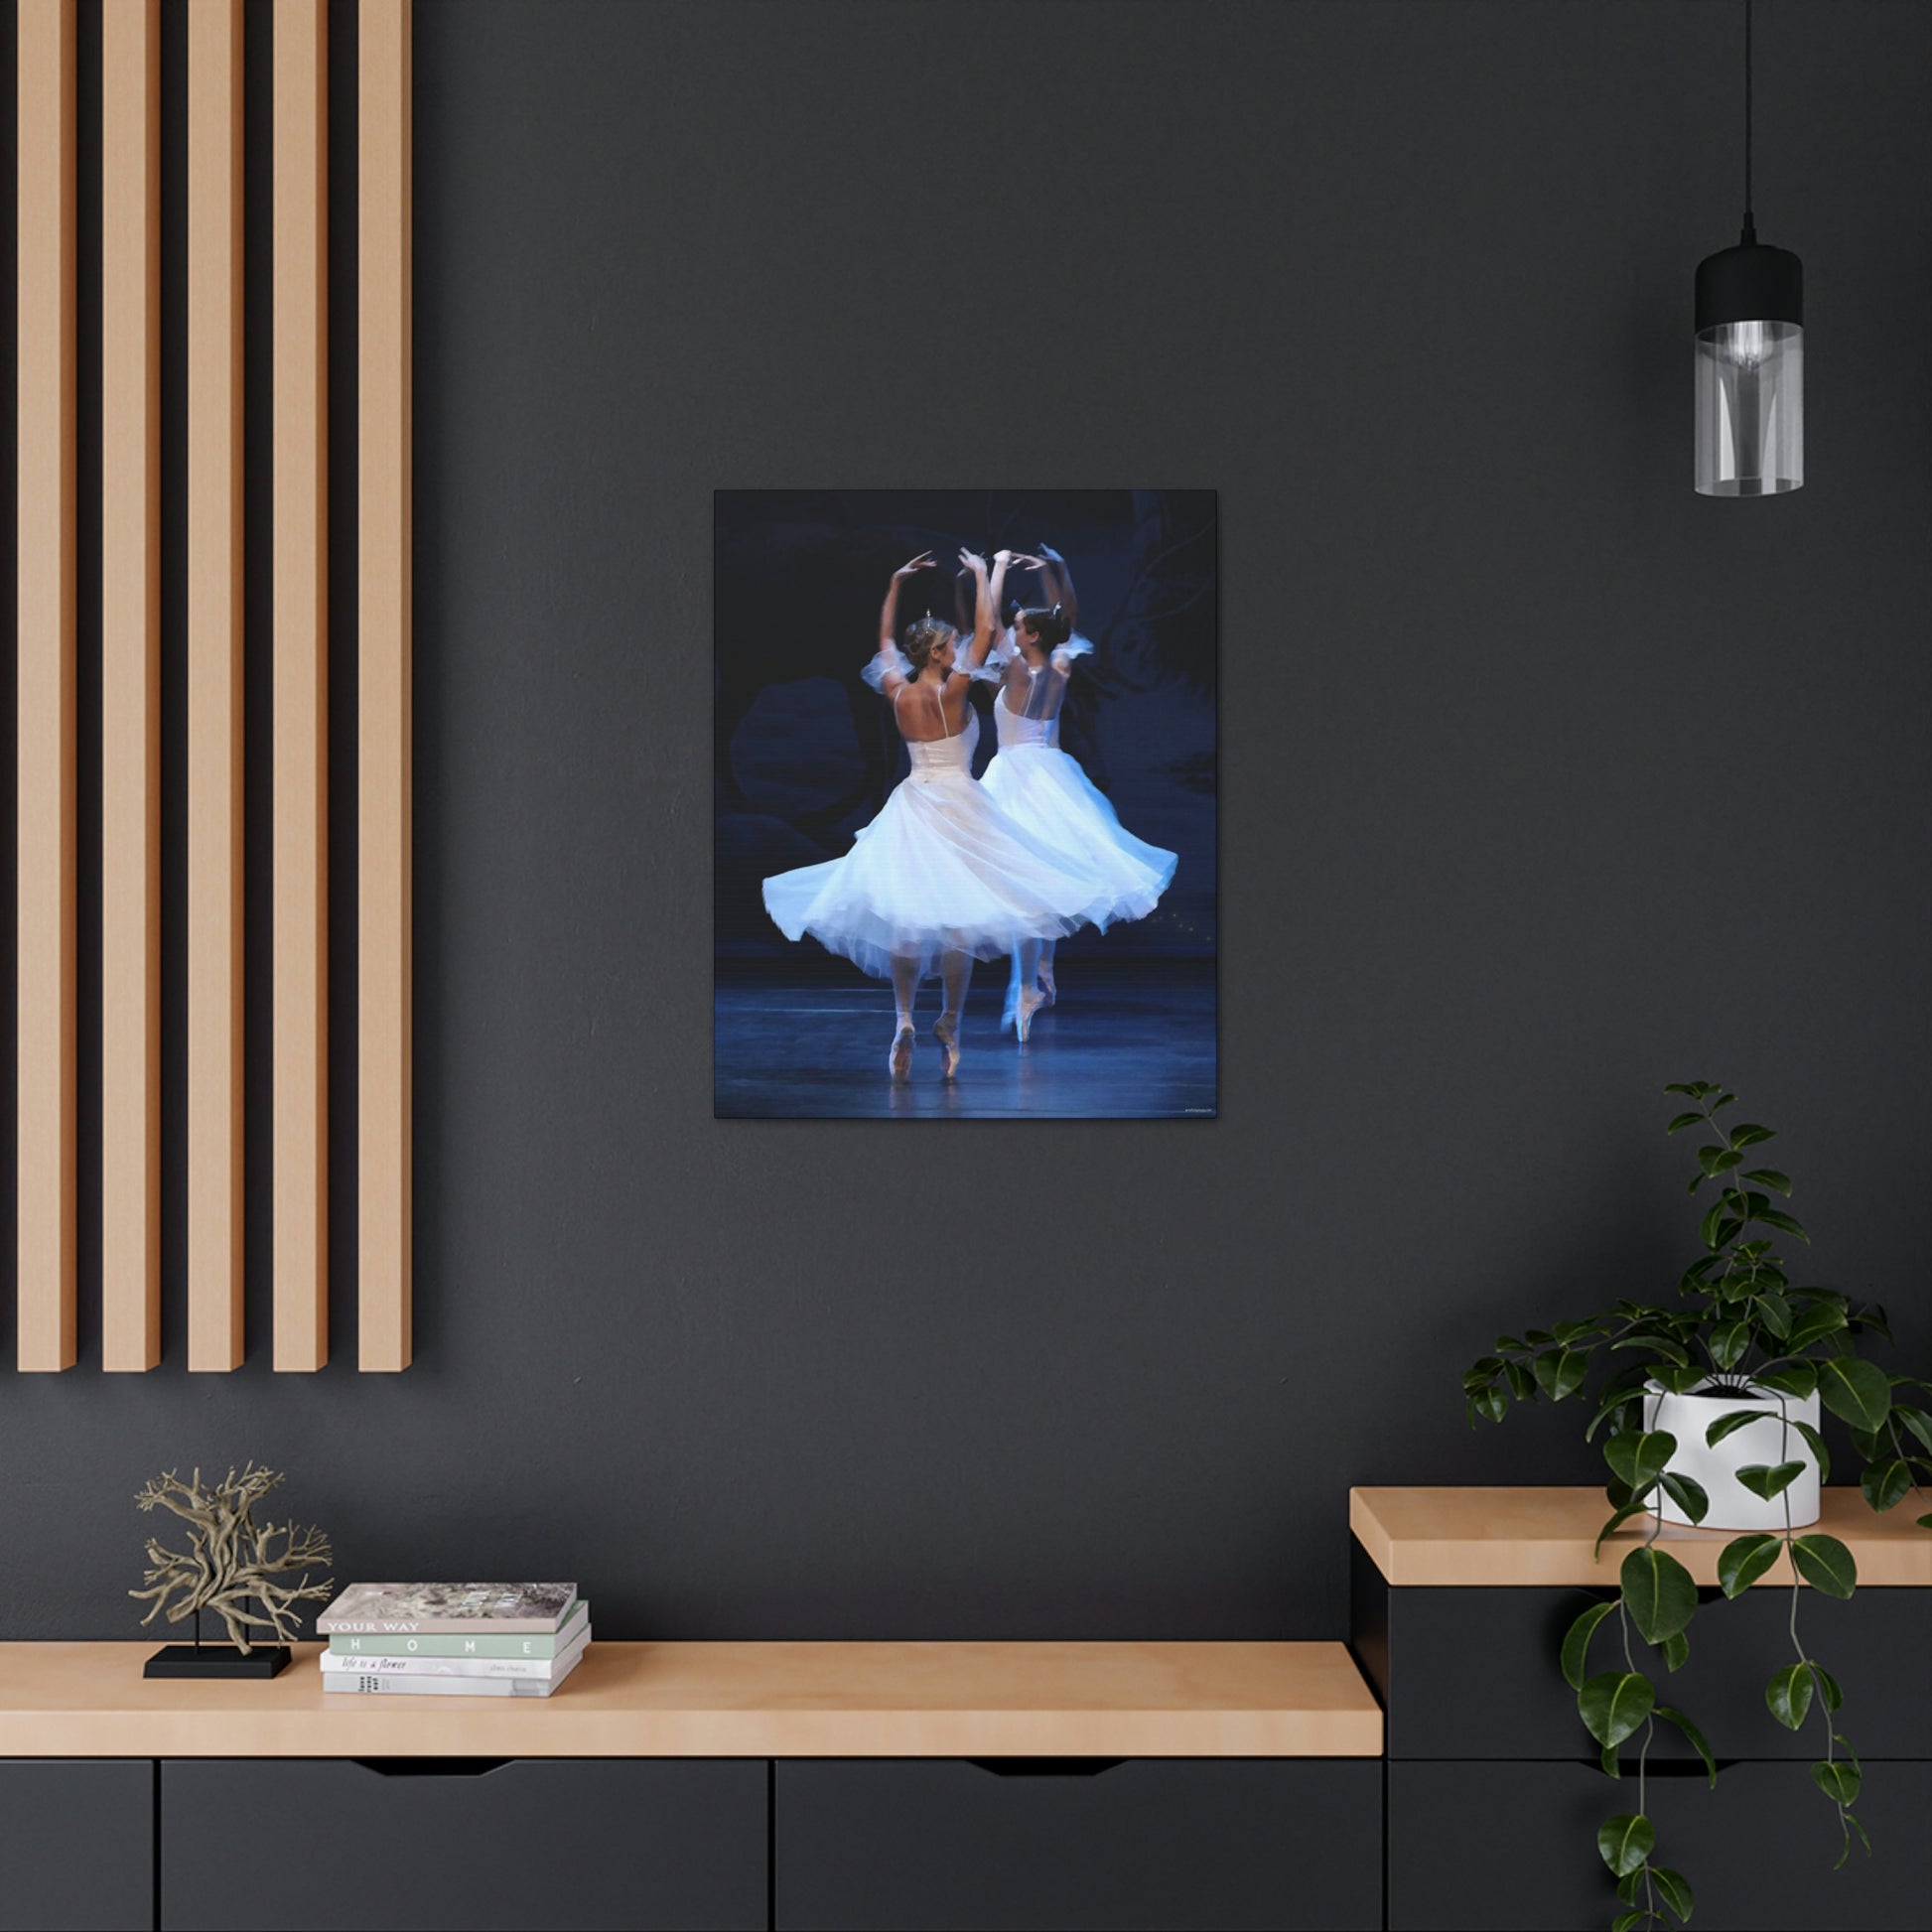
(217, 1660)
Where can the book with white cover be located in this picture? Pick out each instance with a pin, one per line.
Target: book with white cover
(358, 1644)
(537, 1667)
(365, 1683)
(414, 1609)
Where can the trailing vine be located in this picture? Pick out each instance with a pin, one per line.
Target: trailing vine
(1740, 1328)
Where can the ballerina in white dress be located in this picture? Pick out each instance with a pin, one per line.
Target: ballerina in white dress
(1045, 789)
(940, 877)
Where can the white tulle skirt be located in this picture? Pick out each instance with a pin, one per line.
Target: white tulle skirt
(1044, 790)
(940, 869)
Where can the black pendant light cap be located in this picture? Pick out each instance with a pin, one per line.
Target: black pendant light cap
(1752, 282)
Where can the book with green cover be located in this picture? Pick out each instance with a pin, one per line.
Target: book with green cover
(484, 1643)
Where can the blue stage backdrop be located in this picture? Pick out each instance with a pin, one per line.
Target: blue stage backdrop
(807, 754)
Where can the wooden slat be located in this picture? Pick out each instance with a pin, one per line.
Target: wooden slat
(46, 685)
(300, 511)
(215, 992)
(130, 702)
(383, 706)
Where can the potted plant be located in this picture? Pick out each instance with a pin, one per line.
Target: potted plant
(1712, 1407)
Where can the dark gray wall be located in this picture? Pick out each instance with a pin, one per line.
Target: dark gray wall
(1542, 782)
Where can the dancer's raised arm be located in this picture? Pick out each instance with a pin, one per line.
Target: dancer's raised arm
(1060, 584)
(984, 595)
(888, 670)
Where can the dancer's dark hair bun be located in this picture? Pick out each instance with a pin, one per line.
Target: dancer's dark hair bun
(1052, 628)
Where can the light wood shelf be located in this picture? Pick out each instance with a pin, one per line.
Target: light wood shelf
(727, 1699)
(1496, 1538)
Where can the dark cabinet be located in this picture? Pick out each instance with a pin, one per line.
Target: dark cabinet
(1514, 1846)
(1048, 1844)
(562, 1842)
(1473, 1673)
(77, 1844)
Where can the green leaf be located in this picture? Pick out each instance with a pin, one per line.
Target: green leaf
(1688, 1495)
(1624, 1512)
(1608, 1758)
(1639, 1458)
(1743, 1559)
(1560, 1372)
(1923, 1522)
(1628, 1921)
(1798, 1381)
(1776, 1312)
(1696, 1089)
(1770, 1178)
(1826, 1564)
(1726, 1230)
(1695, 1735)
(1658, 1592)
(1789, 1695)
(1708, 1227)
(1676, 1889)
(1679, 1381)
(1845, 1818)
(1761, 1479)
(1628, 1388)
(1683, 1121)
(1816, 1444)
(1718, 1159)
(1615, 1703)
(1747, 1133)
(1626, 1842)
(1837, 1780)
(1827, 1686)
(1631, 1888)
(1916, 1420)
(1886, 1483)
(1576, 1644)
(1730, 1424)
(1479, 1374)
(1522, 1385)
(1491, 1403)
(1774, 1217)
(1508, 1345)
(1677, 1652)
(1856, 1391)
(1728, 1343)
(1538, 1337)
(1822, 1319)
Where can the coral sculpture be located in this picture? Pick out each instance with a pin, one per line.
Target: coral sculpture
(229, 1557)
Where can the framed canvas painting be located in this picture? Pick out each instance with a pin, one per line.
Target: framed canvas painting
(965, 805)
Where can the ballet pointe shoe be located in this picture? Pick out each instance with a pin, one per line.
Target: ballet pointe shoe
(945, 1029)
(1022, 1013)
(901, 1057)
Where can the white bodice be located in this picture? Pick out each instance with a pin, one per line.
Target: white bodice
(1014, 730)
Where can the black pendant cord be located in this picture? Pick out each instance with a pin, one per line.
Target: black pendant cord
(1750, 222)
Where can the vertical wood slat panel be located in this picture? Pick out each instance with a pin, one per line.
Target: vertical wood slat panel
(301, 724)
(384, 704)
(46, 826)
(130, 724)
(214, 673)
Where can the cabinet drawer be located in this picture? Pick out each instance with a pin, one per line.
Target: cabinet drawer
(1043, 1844)
(1473, 1673)
(1514, 1846)
(77, 1844)
(433, 1842)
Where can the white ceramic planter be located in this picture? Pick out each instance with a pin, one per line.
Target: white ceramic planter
(1732, 1506)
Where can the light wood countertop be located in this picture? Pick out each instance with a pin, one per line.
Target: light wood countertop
(725, 1700)
(1490, 1538)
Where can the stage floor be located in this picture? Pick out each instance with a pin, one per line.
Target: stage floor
(1129, 1039)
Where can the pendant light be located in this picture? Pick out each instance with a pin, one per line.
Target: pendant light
(1750, 356)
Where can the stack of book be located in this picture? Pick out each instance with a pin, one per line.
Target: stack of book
(454, 1639)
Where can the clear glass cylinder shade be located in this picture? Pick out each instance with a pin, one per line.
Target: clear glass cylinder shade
(1750, 408)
